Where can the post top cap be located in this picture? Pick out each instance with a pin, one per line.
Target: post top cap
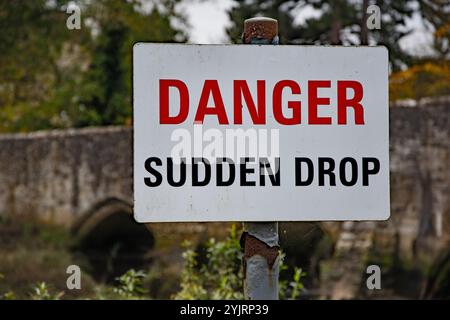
(255, 19)
(260, 28)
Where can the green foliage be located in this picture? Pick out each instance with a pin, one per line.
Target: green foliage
(215, 273)
(340, 22)
(8, 295)
(291, 289)
(191, 280)
(131, 285)
(296, 284)
(220, 276)
(52, 77)
(32, 252)
(32, 43)
(107, 87)
(41, 292)
(427, 79)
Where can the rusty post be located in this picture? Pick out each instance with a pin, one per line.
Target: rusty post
(260, 239)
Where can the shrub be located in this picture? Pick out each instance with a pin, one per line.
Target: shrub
(41, 292)
(131, 285)
(221, 275)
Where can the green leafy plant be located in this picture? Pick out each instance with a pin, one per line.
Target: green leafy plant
(131, 284)
(290, 290)
(220, 276)
(296, 283)
(191, 282)
(8, 295)
(41, 292)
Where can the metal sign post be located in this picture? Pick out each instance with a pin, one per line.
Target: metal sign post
(260, 239)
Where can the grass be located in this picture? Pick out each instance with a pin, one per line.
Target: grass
(33, 253)
(34, 257)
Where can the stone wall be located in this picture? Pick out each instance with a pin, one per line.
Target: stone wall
(417, 235)
(59, 175)
(420, 176)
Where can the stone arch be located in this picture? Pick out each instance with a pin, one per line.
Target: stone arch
(111, 240)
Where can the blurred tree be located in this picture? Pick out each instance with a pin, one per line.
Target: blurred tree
(427, 79)
(428, 76)
(343, 22)
(31, 41)
(437, 14)
(51, 76)
(106, 91)
(338, 22)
